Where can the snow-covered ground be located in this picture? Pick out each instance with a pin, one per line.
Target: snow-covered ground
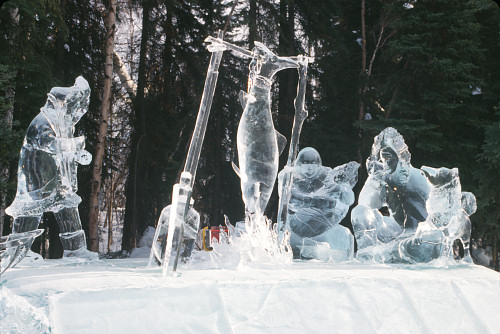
(124, 296)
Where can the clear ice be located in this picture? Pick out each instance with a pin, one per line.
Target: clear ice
(47, 170)
(257, 140)
(190, 232)
(320, 199)
(259, 146)
(181, 192)
(407, 215)
(13, 248)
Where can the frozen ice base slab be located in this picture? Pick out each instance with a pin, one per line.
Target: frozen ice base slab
(123, 296)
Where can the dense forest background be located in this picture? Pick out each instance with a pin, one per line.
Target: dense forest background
(429, 68)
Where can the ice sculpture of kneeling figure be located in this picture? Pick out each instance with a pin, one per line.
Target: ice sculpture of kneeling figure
(400, 191)
(424, 210)
(320, 199)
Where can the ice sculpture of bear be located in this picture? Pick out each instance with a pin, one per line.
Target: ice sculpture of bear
(320, 199)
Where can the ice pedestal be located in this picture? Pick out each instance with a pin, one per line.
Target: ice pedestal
(123, 296)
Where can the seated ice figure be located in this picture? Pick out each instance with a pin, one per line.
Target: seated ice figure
(413, 202)
(47, 170)
(393, 186)
(320, 199)
(189, 237)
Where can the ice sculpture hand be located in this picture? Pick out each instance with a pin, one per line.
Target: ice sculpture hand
(84, 157)
(320, 199)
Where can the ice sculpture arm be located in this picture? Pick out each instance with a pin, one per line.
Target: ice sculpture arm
(299, 118)
(217, 44)
(373, 195)
(44, 139)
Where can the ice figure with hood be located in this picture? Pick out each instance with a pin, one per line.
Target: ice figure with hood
(47, 170)
(391, 204)
(320, 199)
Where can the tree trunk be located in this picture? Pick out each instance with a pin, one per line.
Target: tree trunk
(139, 132)
(361, 111)
(4, 170)
(288, 78)
(252, 23)
(124, 76)
(103, 128)
(495, 255)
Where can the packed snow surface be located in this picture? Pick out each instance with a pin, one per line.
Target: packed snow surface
(124, 296)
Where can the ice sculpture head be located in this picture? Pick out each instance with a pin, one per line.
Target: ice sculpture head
(71, 103)
(267, 64)
(446, 193)
(308, 162)
(390, 156)
(469, 202)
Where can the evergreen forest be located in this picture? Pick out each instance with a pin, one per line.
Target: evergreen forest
(429, 68)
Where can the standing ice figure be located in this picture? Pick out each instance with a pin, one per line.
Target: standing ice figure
(47, 179)
(257, 140)
(320, 199)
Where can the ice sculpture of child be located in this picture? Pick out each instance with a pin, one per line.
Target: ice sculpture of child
(47, 179)
(320, 199)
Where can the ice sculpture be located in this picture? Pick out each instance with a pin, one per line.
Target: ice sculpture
(449, 209)
(257, 140)
(47, 172)
(14, 247)
(320, 199)
(258, 143)
(181, 192)
(405, 214)
(189, 237)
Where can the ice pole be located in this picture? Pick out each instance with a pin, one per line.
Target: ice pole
(247, 53)
(300, 116)
(181, 194)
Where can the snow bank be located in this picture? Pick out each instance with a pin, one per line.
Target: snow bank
(123, 296)
(145, 243)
